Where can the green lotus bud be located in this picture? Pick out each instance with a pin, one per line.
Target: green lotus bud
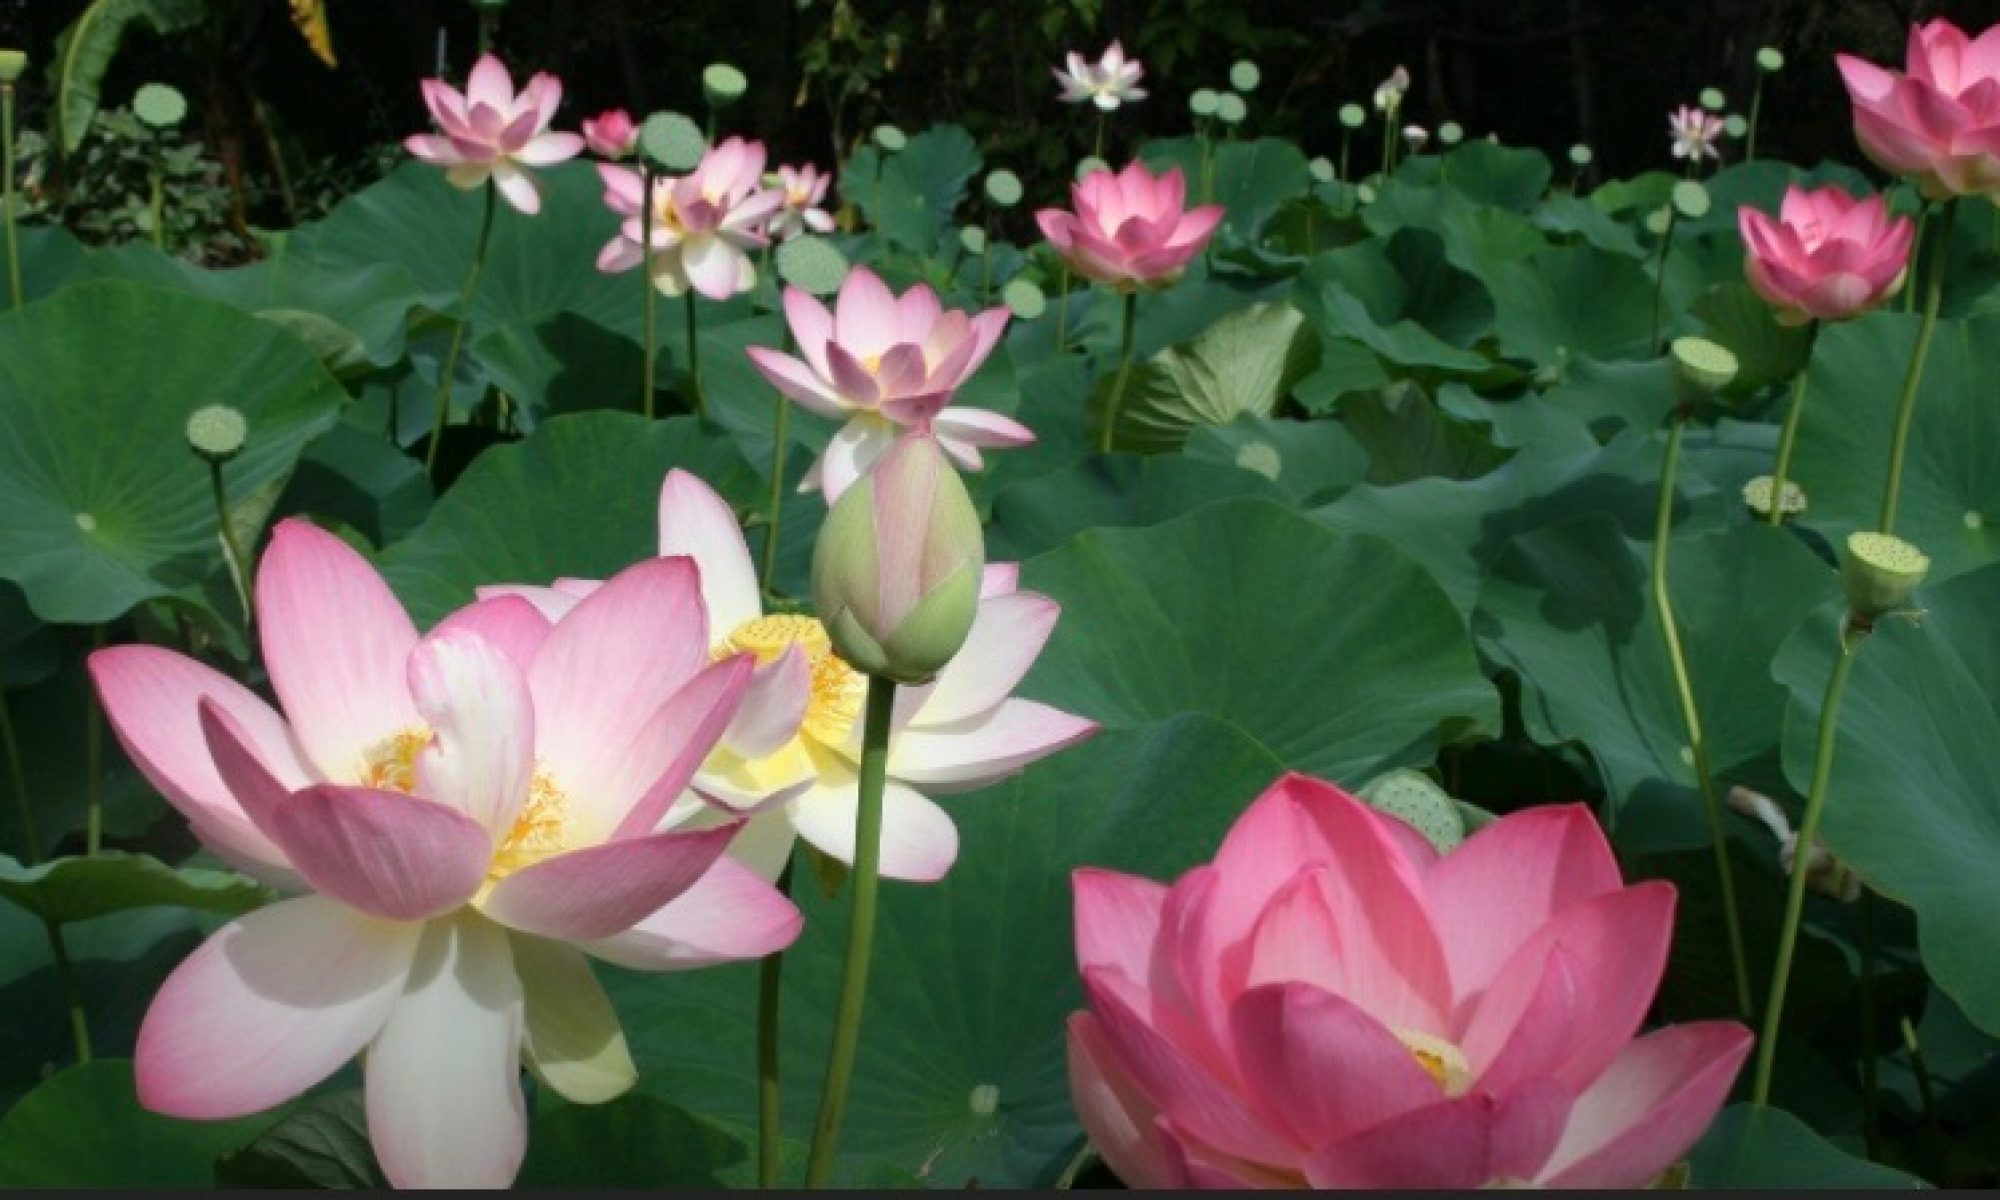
(1245, 76)
(671, 141)
(1770, 60)
(1024, 298)
(1003, 188)
(12, 64)
(159, 105)
(1451, 133)
(1230, 108)
(1202, 103)
(217, 432)
(1881, 573)
(1690, 199)
(1701, 368)
(1581, 155)
(812, 264)
(1713, 100)
(1353, 116)
(897, 566)
(973, 238)
(890, 138)
(722, 84)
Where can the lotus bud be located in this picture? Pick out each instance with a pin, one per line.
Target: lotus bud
(897, 566)
(1881, 573)
(12, 64)
(217, 432)
(723, 85)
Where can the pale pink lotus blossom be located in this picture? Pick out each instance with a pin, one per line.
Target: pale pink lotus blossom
(1696, 133)
(791, 757)
(703, 222)
(1332, 1004)
(1939, 121)
(467, 814)
(1111, 81)
(1827, 256)
(1390, 92)
(804, 190)
(491, 133)
(611, 134)
(881, 363)
(1132, 229)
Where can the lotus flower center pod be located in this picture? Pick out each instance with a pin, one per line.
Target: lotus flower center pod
(834, 702)
(1440, 1059)
(1757, 495)
(12, 63)
(1881, 573)
(1702, 367)
(217, 432)
(539, 832)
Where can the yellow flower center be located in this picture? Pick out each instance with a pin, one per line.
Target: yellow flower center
(838, 690)
(540, 830)
(1441, 1060)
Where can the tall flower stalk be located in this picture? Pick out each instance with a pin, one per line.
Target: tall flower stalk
(649, 302)
(441, 408)
(1906, 404)
(1111, 405)
(12, 63)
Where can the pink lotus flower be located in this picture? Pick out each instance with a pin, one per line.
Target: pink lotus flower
(804, 190)
(1828, 256)
(880, 362)
(1129, 230)
(1939, 123)
(1111, 81)
(1695, 132)
(703, 222)
(1330, 1003)
(790, 759)
(611, 134)
(468, 814)
(490, 132)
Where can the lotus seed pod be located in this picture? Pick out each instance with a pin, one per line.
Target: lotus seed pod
(1421, 804)
(890, 138)
(1089, 163)
(973, 238)
(1024, 298)
(812, 264)
(1690, 199)
(1702, 367)
(1451, 133)
(1581, 155)
(1736, 125)
(1203, 102)
(217, 432)
(1365, 193)
(1353, 116)
(1003, 188)
(159, 105)
(1321, 169)
(671, 141)
(1659, 220)
(12, 64)
(1713, 100)
(1757, 495)
(1881, 573)
(1770, 60)
(1230, 108)
(1245, 76)
(723, 84)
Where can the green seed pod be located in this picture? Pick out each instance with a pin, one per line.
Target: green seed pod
(723, 84)
(1757, 495)
(1690, 199)
(1089, 163)
(1202, 103)
(1881, 574)
(812, 264)
(1736, 125)
(1353, 116)
(217, 432)
(1321, 169)
(1713, 100)
(671, 141)
(890, 138)
(973, 238)
(1701, 368)
(1451, 133)
(1003, 188)
(1230, 108)
(159, 105)
(1420, 803)
(1581, 155)
(1770, 60)
(1245, 76)
(1024, 298)
(12, 64)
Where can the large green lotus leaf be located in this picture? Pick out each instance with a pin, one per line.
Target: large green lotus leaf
(84, 1128)
(1950, 503)
(961, 1076)
(50, 256)
(1767, 353)
(1119, 490)
(102, 504)
(1753, 1149)
(1478, 238)
(1346, 368)
(1519, 421)
(1568, 607)
(1510, 177)
(911, 194)
(78, 889)
(1252, 179)
(1915, 799)
(1333, 649)
(1408, 436)
(1401, 299)
(356, 477)
(1244, 363)
(322, 1144)
(1310, 461)
(1570, 302)
(1610, 396)
(1565, 213)
(579, 498)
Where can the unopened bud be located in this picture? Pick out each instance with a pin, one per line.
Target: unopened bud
(217, 432)
(1881, 573)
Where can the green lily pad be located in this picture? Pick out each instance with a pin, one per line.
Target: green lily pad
(1244, 363)
(1310, 461)
(102, 504)
(1119, 491)
(1752, 1149)
(1576, 300)
(911, 194)
(84, 1128)
(322, 1144)
(78, 889)
(1401, 299)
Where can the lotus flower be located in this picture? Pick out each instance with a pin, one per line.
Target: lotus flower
(881, 362)
(1695, 133)
(804, 190)
(490, 132)
(1129, 230)
(791, 756)
(1109, 82)
(1330, 1003)
(611, 134)
(703, 222)
(1390, 92)
(1828, 256)
(1939, 123)
(467, 814)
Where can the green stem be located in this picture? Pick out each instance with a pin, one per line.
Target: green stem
(650, 304)
(1388, 142)
(93, 764)
(1915, 267)
(860, 930)
(1794, 411)
(1097, 146)
(1346, 144)
(450, 366)
(986, 261)
(1922, 1073)
(17, 778)
(694, 356)
(1124, 373)
(1795, 896)
(1871, 1115)
(1207, 164)
(7, 192)
(239, 563)
(779, 448)
(1718, 834)
(1906, 407)
(770, 978)
(1062, 314)
(157, 204)
(1756, 107)
(1660, 276)
(79, 1024)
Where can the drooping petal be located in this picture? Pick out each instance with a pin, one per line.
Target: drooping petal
(919, 841)
(797, 381)
(271, 1004)
(548, 149)
(1646, 1110)
(571, 1038)
(475, 698)
(520, 188)
(729, 915)
(604, 890)
(696, 521)
(386, 853)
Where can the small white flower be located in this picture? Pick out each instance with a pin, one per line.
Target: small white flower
(1109, 82)
(1695, 133)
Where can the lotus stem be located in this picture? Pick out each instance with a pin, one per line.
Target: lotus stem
(157, 203)
(232, 547)
(1916, 258)
(1660, 275)
(1906, 407)
(1097, 145)
(1922, 1073)
(17, 778)
(695, 402)
(1346, 145)
(450, 367)
(1851, 637)
(1207, 164)
(1718, 835)
(770, 979)
(1756, 108)
(79, 1023)
(649, 306)
(778, 453)
(7, 192)
(1124, 373)
(1794, 412)
(1062, 314)
(860, 930)
(1871, 1109)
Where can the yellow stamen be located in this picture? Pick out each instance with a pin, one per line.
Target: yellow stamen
(539, 832)
(837, 691)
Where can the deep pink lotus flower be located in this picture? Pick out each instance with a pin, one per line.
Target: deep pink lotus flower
(703, 222)
(1108, 83)
(1938, 122)
(490, 132)
(611, 134)
(1827, 256)
(804, 190)
(881, 362)
(1330, 1003)
(1129, 230)
(1696, 133)
(466, 815)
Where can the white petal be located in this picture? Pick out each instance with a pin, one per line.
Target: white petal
(572, 1038)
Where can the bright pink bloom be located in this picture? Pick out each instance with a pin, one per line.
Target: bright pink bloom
(1109, 82)
(1939, 123)
(881, 361)
(703, 222)
(468, 813)
(1827, 256)
(804, 189)
(1696, 132)
(611, 134)
(490, 132)
(1330, 1003)
(1129, 230)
